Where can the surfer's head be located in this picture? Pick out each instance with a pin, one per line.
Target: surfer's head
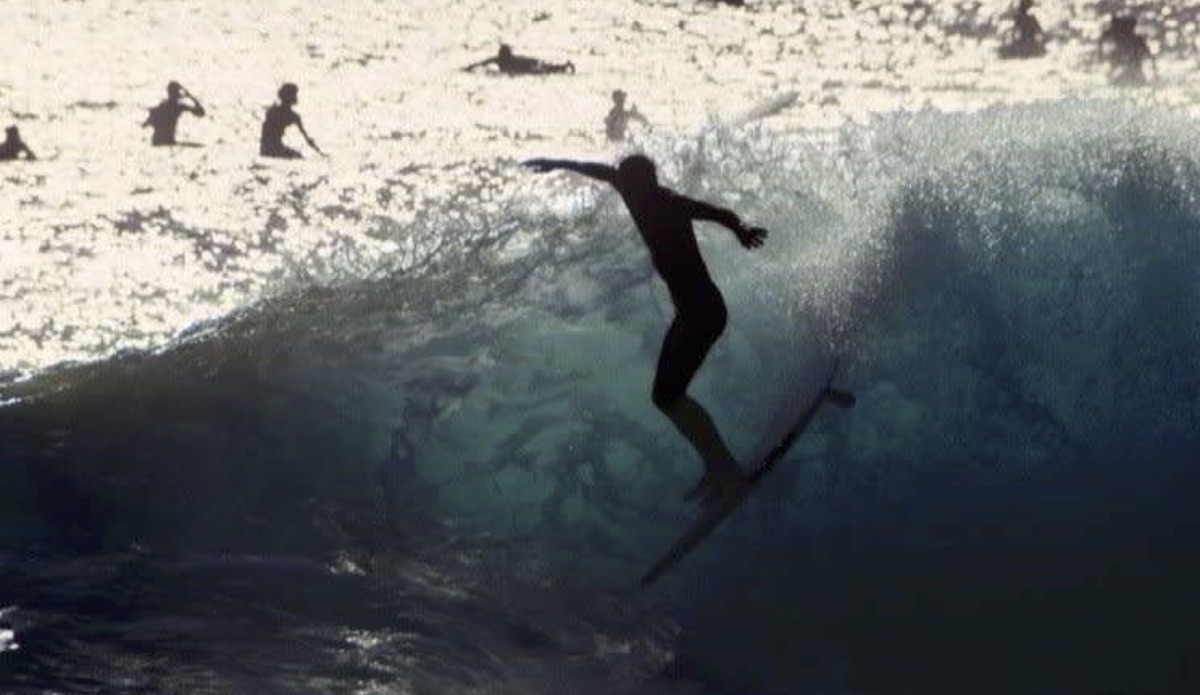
(174, 89)
(505, 51)
(1123, 25)
(11, 132)
(289, 93)
(618, 97)
(637, 172)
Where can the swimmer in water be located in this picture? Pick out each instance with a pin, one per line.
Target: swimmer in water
(279, 117)
(165, 117)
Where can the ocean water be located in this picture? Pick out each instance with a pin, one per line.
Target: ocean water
(206, 358)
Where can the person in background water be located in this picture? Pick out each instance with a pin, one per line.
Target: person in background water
(1026, 38)
(618, 117)
(1129, 51)
(13, 146)
(510, 63)
(664, 221)
(279, 117)
(396, 475)
(165, 117)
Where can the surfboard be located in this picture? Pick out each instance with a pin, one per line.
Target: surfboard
(713, 518)
(763, 109)
(1021, 49)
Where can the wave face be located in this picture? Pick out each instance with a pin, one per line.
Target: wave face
(1012, 294)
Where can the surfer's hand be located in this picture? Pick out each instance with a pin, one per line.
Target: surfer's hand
(752, 237)
(539, 165)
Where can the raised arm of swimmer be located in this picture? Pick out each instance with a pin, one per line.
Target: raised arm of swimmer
(196, 109)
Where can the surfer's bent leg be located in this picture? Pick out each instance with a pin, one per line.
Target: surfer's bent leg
(688, 341)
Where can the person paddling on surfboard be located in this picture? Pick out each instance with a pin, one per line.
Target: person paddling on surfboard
(510, 63)
(664, 221)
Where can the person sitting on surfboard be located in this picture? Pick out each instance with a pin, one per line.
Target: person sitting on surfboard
(618, 117)
(279, 117)
(13, 146)
(1026, 38)
(1129, 51)
(664, 221)
(510, 63)
(165, 117)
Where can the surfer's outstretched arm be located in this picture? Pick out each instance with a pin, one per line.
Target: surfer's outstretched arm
(306, 136)
(750, 237)
(600, 172)
(479, 64)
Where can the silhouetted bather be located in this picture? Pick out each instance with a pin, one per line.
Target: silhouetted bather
(396, 476)
(12, 147)
(618, 117)
(510, 63)
(1026, 38)
(165, 117)
(664, 220)
(279, 117)
(1129, 51)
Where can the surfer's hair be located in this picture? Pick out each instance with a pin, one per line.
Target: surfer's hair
(638, 170)
(288, 91)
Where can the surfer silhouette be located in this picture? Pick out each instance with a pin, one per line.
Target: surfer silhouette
(393, 474)
(13, 147)
(664, 221)
(1026, 38)
(1128, 52)
(618, 117)
(164, 118)
(279, 117)
(510, 63)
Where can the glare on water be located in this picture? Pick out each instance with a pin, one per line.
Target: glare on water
(107, 243)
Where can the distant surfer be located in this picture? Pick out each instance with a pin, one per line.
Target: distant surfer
(510, 63)
(1128, 52)
(164, 118)
(618, 117)
(395, 474)
(13, 147)
(1026, 38)
(279, 117)
(664, 221)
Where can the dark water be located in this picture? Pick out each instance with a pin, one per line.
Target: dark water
(1011, 507)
